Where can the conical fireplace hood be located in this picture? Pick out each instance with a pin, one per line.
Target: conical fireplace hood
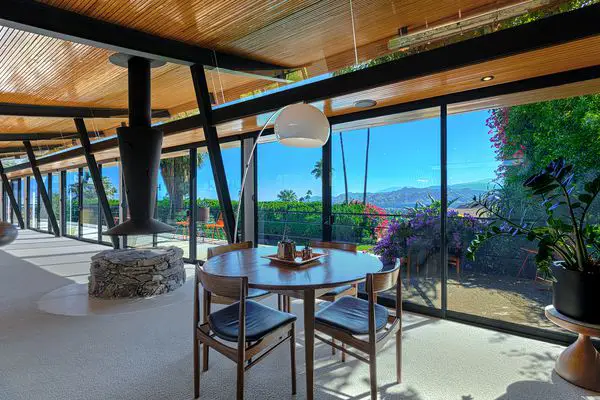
(140, 148)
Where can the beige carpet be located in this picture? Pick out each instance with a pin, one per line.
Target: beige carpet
(146, 353)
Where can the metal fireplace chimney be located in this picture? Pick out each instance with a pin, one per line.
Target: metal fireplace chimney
(140, 148)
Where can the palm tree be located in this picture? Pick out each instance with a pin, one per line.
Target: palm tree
(318, 169)
(287, 195)
(366, 165)
(176, 174)
(344, 167)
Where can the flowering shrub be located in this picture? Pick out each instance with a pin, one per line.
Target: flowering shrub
(420, 228)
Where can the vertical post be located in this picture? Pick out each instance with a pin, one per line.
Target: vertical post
(249, 225)
(96, 175)
(444, 205)
(11, 196)
(41, 189)
(328, 217)
(63, 201)
(214, 150)
(193, 206)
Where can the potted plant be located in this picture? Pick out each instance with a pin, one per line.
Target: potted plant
(203, 210)
(568, 243)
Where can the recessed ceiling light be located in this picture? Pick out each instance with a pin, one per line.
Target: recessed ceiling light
(365, 103)
(487, 78)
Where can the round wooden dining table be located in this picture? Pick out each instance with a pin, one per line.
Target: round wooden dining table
(307, 282)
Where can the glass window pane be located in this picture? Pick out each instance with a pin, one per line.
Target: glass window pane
(44, 222)
(110, 180)
(507, 145)
(90, 210)
(289, 193)
(33, 204)
(72, 203)
(210, 228)
(389, 203)
(173, 202)
(55, 196)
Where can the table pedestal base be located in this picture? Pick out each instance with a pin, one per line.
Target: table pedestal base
(579, 364)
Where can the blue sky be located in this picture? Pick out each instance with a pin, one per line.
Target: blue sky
(400, 155)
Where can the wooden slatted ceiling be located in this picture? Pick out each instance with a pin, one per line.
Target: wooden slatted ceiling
(578, 54)
(293, 33)
(574, 89)
(36, 69)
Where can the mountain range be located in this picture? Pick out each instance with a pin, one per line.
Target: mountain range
(400, 197)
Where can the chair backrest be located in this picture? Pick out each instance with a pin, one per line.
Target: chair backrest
(226, 286)
(333, 245)
(382, 281)
(215, 251)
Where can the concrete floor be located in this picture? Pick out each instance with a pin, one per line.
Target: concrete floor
(142, 350)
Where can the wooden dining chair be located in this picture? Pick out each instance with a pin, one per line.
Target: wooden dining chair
(365, 325)
(256, 328)
(253, 294)
(341, 291)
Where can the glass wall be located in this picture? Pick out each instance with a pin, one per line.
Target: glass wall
(34, 204)
(72, 203)
(210, 226)
(110, 180)
(386, 196)
(23, 199)
(506, 146)
(55, 196)
(289, 193)
(44, 222)
(173, 196)
(90, 210)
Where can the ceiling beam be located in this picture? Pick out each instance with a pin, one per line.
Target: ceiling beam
(32, 16)
(547, 32)
(14, 137)
(8, 150)
(37, 110)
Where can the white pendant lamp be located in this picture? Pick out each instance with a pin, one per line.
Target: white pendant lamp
(296, 125)
(302, 125)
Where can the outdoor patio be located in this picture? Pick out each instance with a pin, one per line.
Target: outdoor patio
(141, 350)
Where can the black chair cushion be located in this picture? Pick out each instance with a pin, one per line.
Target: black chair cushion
(336, 291)
(352, 315)
(254, 293)
(260, 321)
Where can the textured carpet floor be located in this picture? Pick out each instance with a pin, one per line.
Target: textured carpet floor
(147, 354)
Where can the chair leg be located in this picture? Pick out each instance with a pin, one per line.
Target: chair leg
(333, 348)
(293, 356)
(399, 357)
(343, 352)
(279, 303)
(373, 371)
(240, 381)
(196, 368)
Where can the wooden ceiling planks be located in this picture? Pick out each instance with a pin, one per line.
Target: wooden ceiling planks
(565, 57)
(294, 32)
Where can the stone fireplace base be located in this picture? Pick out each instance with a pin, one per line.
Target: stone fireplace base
(136, 272)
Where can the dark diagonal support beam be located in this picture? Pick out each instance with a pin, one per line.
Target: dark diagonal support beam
(33, 16)
(96, 177)
(214, 150)
(11, 196)
(37, 110)
(41, 188)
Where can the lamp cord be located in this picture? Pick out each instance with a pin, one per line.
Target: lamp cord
(247, 167)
